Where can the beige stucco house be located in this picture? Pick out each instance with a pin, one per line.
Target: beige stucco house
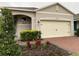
(53, 20)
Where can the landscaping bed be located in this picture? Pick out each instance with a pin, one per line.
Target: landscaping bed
(45, 49)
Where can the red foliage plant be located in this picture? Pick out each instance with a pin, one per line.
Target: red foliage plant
(28, 44)
(38, 43)
(48, 43)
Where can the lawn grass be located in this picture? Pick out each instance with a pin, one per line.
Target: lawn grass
(75, 54)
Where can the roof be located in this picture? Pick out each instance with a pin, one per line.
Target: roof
(56, 4)
(34, 9)
(31, 9)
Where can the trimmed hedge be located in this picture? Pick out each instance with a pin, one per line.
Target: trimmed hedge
(29, 35)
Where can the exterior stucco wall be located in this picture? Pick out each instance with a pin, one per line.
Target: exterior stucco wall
(30, 14)
(62, 10)
(55, 8)
(49, 9)
(58, 16)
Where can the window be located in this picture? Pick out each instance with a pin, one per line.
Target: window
(75, 25)
(24, 20)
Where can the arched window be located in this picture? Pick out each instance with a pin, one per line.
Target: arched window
(22, 19)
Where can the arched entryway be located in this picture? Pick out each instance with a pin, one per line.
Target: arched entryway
(22, 22)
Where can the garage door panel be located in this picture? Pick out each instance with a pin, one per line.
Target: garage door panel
(55, 29)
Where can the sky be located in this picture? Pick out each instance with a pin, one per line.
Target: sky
(72, 6)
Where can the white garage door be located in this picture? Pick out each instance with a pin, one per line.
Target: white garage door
(55, 29)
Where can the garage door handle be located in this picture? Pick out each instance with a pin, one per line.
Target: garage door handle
(56, 29)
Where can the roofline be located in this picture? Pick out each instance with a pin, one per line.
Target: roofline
(55, 4)
(45, 6)
(17, 7)
(22, 10)
(66, 8)
(11, 8)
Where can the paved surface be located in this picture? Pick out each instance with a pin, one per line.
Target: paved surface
(67, 43)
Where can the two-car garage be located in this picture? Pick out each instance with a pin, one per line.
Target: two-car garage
(55, 28)
(55, 21)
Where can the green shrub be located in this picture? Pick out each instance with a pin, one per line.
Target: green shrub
(8, 46)
(77, 32)
(29, 35)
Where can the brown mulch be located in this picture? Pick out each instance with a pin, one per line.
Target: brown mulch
(51, 50)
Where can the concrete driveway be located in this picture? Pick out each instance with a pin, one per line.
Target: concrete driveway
(67, 43)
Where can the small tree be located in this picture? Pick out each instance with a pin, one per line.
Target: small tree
(8, 45)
